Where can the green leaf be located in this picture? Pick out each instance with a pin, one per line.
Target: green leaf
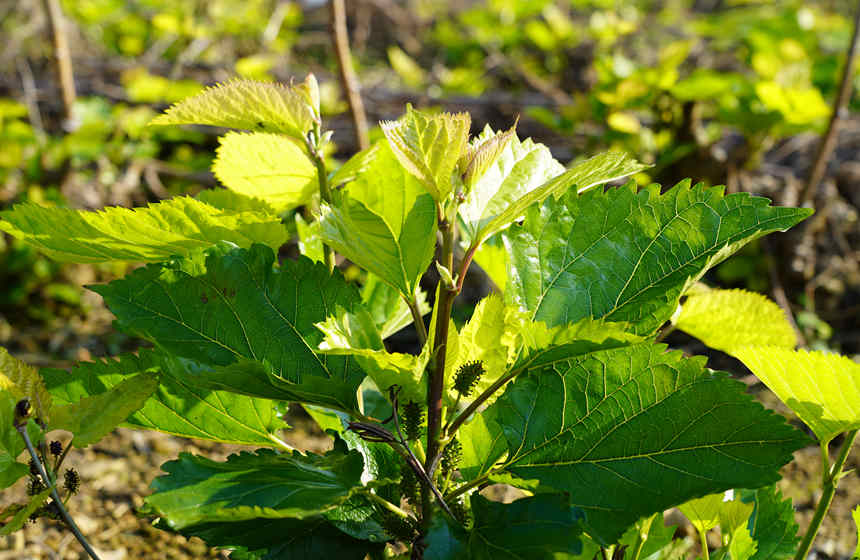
(741, 544)
(92, 418)
(657, 535)
(11, 442)
(704, 512)
(178, 406)
(246, 105)
(493, 260)
(822, 389)
(628, 256)
(521, 167)
(389, 311)
(618, 430)
(597, 170)
(24, 382)
(385, 223)
(264, 484)
(727, 319)
(428, 146)
(23, 515)
(310, 242)
(771, 524)
(178, 226)
(533, 528)
(355, 166)
(483, 444)
(276, 539)
(225, 199)
(267, 166)
(231, 308)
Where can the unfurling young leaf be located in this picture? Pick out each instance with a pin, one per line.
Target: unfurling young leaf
(248, 105)
(429, 146)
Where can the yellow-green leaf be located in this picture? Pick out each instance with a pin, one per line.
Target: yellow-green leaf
(247, 105)
(178, 226)
(267, 166)
(23, 514)
(24, 381)
(704, 512)
(429, 146)
(727, 319)
(822, 389)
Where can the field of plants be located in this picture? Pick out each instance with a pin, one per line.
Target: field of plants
(534, 279)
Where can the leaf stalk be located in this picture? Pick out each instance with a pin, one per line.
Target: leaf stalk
(830, 476)
(22, 429)
(314, 148)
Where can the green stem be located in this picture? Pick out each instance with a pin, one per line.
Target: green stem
(479, 400)
(830, 480)
(420, 327)
(387, 505)
(703, 537)
(55, 495)
(460, 490)
(315, 152)
(644, 528)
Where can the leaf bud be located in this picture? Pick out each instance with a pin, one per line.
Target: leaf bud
(468, 376)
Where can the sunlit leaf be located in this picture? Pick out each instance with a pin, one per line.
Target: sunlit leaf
(727, 319)
(267, 166)
(822, 389)
(178, 226)
(24, 382)
(428, 146)
(246, 105)
(629, 256)
(772, 524)
(704, 512)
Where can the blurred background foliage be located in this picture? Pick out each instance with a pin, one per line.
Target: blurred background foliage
(728, 92)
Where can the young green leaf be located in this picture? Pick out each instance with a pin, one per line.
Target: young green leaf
(178, 406)
(822, 389)
(533, 528)
(704, 512)
(92, 418)
(178, 226)
(231, 308)
(605, 253)
(385, 223)
(225, 199)
(600, 169)
(251, 485)
(23, 382)
(11, 443)
(275, 539)
(727, 319)
(246, 105)
(483, 444)
(310, 242)
(493, 259)
(355, 166)
(594, 424)
(23, 515)
(267, 166)
(389, 311)
(480, 154)
(428, 146)
(772, 524)
(657, 535)
(521, 167)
